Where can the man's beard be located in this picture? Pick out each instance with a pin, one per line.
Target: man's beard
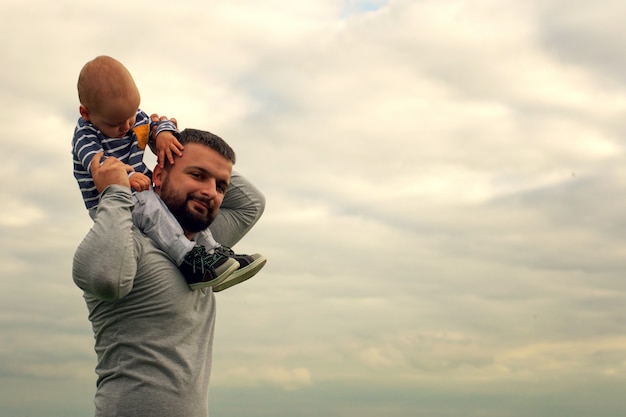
(189, 220)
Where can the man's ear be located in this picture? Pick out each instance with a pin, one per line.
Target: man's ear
(84, 112)
(158, 176)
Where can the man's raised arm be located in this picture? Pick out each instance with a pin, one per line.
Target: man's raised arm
(242, 207)
(105, 263)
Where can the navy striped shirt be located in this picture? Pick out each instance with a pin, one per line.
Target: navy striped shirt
(89, 140)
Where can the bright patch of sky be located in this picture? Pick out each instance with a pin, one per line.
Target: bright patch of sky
(356, 7)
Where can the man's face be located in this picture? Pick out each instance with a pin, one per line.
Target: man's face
(193, 188)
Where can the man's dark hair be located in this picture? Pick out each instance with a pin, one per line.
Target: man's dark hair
(214, 142)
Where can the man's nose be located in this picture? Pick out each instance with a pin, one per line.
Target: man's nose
(209, 188)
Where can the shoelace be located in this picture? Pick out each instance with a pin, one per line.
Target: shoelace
(201, 259)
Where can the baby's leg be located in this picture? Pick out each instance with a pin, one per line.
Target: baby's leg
(152, 216)
(205, 238)
(199, 268)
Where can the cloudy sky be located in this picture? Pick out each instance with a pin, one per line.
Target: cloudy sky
(446, 198)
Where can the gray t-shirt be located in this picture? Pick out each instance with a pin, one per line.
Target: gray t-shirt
(153, 334)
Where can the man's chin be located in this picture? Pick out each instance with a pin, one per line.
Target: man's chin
(199, 212)
(197, 221)
(195, 226)
(191, 220)
(198, 207)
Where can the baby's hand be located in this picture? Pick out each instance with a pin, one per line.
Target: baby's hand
(155, 118)
(139, 182)
(167, 145)
(166, 142)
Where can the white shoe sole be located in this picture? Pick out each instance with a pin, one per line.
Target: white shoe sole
(241, 275)
(217, 281)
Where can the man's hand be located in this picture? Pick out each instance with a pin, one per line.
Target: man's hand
(166, 143)
(139, 181)
(112, 172)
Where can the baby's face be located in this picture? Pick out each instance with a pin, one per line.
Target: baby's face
(116, 117)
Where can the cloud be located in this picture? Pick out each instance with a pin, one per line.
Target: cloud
(288, 379)
(443, 182)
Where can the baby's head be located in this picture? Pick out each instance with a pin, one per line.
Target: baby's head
(108, 96)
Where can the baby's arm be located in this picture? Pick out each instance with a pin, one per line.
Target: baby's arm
(85, 145)
(165, 142)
